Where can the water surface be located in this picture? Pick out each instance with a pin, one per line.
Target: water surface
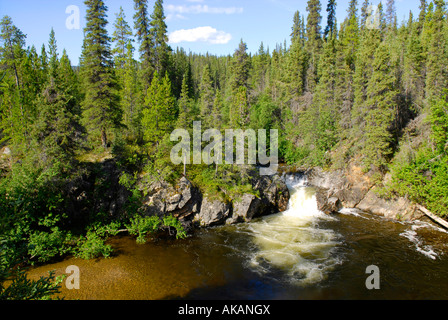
(298, 254)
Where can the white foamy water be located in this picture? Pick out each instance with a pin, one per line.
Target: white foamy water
(293, 242)
(413, 237)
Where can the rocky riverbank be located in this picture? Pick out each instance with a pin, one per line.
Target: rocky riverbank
(351, 188)
(195, 209)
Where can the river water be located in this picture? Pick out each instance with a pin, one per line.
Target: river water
(299, 254)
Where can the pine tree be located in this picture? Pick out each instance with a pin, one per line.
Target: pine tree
(207, 96)
(314, 43)
(391, 15)
(122, 36)
(297, 27)
(365, 13)
(295, 72)
(260, 64)
(142, 27)
(159, 112)
(381, 104)
(14, 115)
(57, 128)
(345, 62)
(184, 120)
(369, 42)
(413, 69)
(161, 50)
(331, 18)
(101, 108)
(422, 15)
(322, 118)
(437, 57)
(53, 53)
(438, 119)
(130, 97)
(239, 110)
(240, 67)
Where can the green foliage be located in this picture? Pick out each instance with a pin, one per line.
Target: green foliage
(160, 110)
(424, 180)
(439, 124)
(22, 288)
(172, 222)
(92, 246)
(101, 108)
(44, 246)
(144, 227)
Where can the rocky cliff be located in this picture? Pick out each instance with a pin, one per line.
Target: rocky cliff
(195, 209)
(351, 188)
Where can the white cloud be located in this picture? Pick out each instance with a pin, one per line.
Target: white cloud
(197, 9)
(200, 34)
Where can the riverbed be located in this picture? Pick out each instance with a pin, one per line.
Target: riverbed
(300, 254)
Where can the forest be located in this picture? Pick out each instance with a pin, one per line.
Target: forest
(369, 90)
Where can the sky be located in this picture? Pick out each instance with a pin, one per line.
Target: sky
(198, 26)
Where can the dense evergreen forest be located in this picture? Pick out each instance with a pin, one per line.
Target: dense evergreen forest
(368, 90)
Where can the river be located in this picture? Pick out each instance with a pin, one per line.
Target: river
(299, 254)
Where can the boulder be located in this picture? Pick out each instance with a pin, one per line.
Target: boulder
(399, 208)
(213, 212)
(326, 203)
(187, 203)
(180, 201)
(245, 209)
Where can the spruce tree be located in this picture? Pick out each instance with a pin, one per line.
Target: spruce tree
(53, 53)
(369, 42)
(297, 27)
(381, 106)
(142, 27)
(365, 14)
(347, 47)
(159, 111)
(413, 69)
(437, 56)
(391, 15)
(57, 129)
(161, 50)
(240, 67)
(14, 115)
(184, 103)
(314, 43)
(295, 70)
(239, 115)
(207, 96)
(101, 108)
(122, 36)
(331, 18)
(130, 96)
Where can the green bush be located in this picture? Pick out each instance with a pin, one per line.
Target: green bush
(44, 246)
(172, 222)
(142, 226)
(92, 246)
(424, 180)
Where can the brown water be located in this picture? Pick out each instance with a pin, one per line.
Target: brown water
(299, 254)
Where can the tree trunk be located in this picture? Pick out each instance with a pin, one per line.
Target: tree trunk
(104, 138)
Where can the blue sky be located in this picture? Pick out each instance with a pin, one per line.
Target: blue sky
(214, 26)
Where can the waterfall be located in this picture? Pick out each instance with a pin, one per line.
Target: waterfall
(292, 241)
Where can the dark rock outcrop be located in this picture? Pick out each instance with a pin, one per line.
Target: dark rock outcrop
(188, 204)
(353, 189)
